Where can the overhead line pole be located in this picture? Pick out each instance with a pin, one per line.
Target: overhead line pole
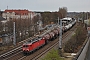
(14, 36)
(60, 36)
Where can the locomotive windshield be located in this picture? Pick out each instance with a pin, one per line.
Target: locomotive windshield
(25, 46)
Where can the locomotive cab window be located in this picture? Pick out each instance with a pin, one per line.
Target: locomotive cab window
(25, 46)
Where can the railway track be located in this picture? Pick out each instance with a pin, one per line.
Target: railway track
(19, 56)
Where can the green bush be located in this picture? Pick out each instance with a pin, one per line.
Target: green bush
(76, 41)
(52, 55)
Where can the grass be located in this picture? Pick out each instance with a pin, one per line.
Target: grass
(52, 55)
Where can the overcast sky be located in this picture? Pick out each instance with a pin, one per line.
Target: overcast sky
(46, 5)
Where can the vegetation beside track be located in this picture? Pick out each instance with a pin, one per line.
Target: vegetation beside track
(52, 55)
(74, 44)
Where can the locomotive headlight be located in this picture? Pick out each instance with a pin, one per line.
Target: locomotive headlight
(27, 49)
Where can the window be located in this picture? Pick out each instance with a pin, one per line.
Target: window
(25, 46)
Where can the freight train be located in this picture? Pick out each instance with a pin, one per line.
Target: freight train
(36, 43)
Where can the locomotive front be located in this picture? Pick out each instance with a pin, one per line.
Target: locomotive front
(27, 48)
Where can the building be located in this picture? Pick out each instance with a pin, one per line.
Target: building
(2, 22)
(17, 14)
(2, 19)
(1, 13)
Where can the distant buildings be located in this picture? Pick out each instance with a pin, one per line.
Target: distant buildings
(17, 14)
(1, 13)
(3, 20)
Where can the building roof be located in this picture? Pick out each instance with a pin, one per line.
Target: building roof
(18, 12)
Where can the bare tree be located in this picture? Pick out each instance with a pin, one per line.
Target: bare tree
(63, 12)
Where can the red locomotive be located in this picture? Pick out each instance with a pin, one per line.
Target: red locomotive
(30, 46)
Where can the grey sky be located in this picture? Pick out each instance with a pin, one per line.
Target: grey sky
(46, 5)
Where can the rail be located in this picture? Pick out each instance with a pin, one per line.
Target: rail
(11, 52)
